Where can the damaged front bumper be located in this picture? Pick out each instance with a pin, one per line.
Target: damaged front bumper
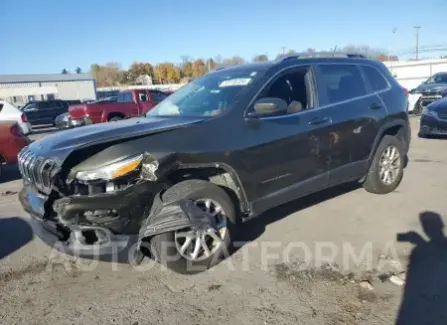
(140, 214)
(70, 225)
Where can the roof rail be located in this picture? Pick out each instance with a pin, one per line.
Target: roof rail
(321, 55)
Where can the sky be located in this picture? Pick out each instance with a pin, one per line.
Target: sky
(46, 36)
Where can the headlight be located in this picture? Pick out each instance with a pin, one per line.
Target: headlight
(111, 171)
(426, 111)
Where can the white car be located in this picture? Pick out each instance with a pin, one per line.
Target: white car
(413, 105)
(9, 112)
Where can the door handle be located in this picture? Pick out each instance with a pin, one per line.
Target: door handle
(375, 106)
(319, 120)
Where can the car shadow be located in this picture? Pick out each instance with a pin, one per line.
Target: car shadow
(254, 228)
(10, 173)
(425, 293)
(14, 234)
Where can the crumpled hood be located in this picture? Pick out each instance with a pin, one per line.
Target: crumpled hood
(59, 145)
(438, 87)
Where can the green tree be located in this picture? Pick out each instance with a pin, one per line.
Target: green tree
(64, 71)
(78, 70)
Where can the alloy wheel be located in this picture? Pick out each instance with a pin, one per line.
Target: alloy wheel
(199, 244)
(389, 165)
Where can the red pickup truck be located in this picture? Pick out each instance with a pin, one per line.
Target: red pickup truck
(130, 103)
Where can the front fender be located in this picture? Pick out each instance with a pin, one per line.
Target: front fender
(167, 216)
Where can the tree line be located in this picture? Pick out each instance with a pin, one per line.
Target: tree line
(112, 74)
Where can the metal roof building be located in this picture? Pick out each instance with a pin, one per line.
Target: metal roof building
(20, 89)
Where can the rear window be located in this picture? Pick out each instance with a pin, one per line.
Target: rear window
(376, 80)
(342, 82)
(125, 97)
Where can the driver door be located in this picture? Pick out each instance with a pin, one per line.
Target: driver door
(290, 155)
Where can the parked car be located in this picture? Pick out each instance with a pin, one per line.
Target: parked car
(130, 103)
(431, 90)
(44, 112)
(414, 103)
(9, 112)
(63, 121)
(12, 141)
(434, 119)
(225, 148)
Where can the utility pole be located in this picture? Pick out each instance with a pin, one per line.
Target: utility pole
(417, 41)
(283, 50)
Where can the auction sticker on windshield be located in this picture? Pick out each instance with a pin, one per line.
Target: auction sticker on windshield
(235, 82)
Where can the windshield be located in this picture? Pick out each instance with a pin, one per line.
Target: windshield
(437, 78)
(210, 95)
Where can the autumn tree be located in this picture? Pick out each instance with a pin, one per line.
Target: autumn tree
(210, 64)
(107, 75)
(198, 68)
(187, 69)
(260, 58)
(233, 61)
(137, 69)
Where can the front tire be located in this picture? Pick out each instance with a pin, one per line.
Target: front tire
(386, 170)
(189, 251)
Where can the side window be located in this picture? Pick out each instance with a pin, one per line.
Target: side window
(125, 97)
(158, 96)
(342, 82)
(293, 87)
(375, 78)
(142, 97)
(1, 107)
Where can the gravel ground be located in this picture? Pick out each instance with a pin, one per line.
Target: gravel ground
(330, 258)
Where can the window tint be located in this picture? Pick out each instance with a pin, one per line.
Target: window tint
(125, 97)
(375, 78)
(47, 105)
(291, 86)
(158, 96)
(342, 82)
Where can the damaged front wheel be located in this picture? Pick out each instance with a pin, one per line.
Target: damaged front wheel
(195, 250)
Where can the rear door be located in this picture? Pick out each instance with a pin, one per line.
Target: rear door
(35, 112)
(355, 111)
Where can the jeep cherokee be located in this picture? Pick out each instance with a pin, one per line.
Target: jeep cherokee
(224, 148)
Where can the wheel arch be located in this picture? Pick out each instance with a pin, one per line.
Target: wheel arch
(394, 128)
(217, 173)
(111, 115)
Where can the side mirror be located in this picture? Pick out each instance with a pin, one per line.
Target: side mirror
(412, 91)
(269, 106)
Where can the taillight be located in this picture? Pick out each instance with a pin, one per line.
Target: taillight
(24, 118)
(406, 91)
(16, 131)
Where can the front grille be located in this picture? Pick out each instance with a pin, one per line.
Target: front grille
(36, 170)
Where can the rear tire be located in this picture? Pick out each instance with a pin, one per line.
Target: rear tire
(165, 247)
(378, 180)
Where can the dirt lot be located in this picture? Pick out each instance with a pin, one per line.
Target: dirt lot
(325, 259)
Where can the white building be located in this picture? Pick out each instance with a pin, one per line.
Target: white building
(20, 89)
